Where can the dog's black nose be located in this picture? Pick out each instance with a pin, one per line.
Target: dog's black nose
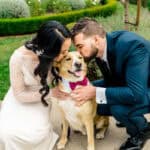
(77, 64)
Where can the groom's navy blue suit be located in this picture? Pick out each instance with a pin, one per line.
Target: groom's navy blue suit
(127, 82)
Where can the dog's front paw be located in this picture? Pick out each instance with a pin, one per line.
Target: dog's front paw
(61, 144)
(91, 148)
(100, 135)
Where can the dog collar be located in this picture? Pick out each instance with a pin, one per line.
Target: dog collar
(73, 85)
(69, 86)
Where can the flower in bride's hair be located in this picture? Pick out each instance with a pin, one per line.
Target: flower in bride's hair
(39, 52)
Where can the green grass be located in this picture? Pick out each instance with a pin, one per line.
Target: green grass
(114, 22)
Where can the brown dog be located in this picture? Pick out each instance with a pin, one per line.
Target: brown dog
(72, 70)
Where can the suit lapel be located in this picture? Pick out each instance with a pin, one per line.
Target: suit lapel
(110, 53)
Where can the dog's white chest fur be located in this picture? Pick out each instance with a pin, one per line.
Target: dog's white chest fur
(71, 111)
(71, 114)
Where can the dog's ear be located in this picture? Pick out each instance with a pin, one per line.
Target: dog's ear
(56, 64)
(55, 69)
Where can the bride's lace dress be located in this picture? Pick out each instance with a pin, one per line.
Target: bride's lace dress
(24, 120)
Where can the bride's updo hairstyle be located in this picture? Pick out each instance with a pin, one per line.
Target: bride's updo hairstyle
(47, 45)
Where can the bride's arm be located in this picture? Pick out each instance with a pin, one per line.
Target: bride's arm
(20, 90)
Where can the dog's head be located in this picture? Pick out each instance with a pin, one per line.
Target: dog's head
(72, 67)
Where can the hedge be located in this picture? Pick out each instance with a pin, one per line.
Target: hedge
(30, 25)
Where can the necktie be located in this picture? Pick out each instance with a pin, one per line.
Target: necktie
(104, 68)
(73, 85)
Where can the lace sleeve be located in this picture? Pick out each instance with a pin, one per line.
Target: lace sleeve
(20, 90)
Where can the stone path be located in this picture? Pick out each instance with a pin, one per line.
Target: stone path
(113, 139)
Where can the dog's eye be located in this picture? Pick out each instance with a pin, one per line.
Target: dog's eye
(68, 59)
(80, 57)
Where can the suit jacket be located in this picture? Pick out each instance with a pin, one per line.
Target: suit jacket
(128, 56)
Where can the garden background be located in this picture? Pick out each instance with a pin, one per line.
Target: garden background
(20, 19)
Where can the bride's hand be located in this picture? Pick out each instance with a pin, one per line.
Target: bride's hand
(55, 92)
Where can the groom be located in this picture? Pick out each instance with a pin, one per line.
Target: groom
(124, 60)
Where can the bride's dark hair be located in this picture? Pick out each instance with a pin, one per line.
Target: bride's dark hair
(47, 45)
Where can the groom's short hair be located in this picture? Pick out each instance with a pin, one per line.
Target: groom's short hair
(88, 27)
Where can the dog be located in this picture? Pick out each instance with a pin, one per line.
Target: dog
(72, 71)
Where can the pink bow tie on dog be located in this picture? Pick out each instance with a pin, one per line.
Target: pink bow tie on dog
(73, 85)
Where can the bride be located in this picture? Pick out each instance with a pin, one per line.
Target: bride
(24, 114)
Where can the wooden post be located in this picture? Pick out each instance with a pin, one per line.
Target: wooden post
(126, 14)
(138, 13)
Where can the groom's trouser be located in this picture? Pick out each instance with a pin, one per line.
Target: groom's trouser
(131, 116)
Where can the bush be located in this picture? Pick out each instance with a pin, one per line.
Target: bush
(35, 7)
(14, 9)
(90, 3)
(144, 3)
(30, 25)
(58, 6)
(44, 4)
(103, 2)
(77, 4)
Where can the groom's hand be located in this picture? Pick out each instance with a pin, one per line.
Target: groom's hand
(83, 93)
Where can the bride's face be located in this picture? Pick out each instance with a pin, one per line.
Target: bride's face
(64, 50)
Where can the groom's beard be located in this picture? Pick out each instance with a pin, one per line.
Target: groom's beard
(93, 54)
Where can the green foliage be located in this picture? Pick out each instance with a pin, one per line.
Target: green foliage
(44, 4)
(90, 3)
(10, 43)
(58, 6)
(4, 76)
(35, 7)
(14, 9)
(148, 5)
(103, 2)
(144, 2)
(77, 4)
(70, 25)
(93, 72)
(133, 1)
(30, 25)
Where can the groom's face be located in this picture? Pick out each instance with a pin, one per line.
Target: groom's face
(85, 46)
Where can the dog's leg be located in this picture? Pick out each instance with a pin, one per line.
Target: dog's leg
(64, 135)
(89, 124)
(102, 126)
(101, 133)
